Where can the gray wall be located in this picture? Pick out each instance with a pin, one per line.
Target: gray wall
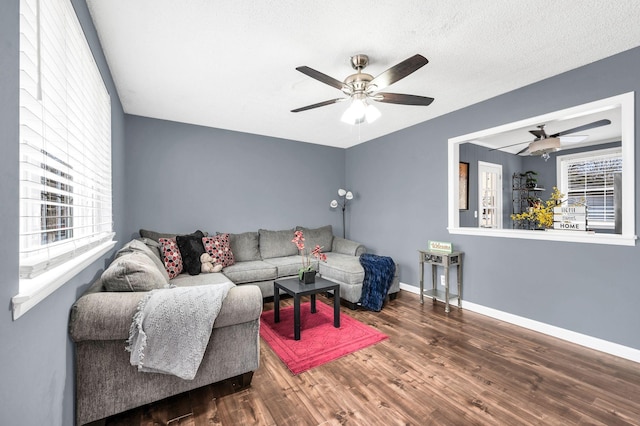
(36, 354)
(401, 181)
(181, 177)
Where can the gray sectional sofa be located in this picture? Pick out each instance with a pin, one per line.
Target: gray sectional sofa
(106, 382)
(263, 256)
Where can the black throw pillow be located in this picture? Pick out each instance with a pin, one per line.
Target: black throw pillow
(191, 248)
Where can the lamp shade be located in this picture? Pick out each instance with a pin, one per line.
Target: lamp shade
(360, 110)
(349, 195)
(342, 192)
(334, 204)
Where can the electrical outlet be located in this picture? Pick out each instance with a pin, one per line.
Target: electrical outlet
(442, 280)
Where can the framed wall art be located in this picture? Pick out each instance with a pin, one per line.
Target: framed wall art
(464, 186)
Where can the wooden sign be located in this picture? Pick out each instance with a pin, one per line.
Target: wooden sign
(570, 218)
(440, 246)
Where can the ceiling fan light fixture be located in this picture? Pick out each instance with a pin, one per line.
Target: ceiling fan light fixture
(544, 146)
(360, 111)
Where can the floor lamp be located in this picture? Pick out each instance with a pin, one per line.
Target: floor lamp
(346, 196)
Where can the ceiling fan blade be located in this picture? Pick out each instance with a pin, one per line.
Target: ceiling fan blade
(319, 104)
(523, 151)
(399, 98)
(323, 78)
(509, 146)
(398, 72)
(593, 125)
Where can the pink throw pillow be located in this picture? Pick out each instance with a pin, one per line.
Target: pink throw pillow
(171, 256)
(219, 248)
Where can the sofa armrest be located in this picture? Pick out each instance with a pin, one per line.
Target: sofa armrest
(343, 246)
(103, 315)
(108, 315)
(242, 304)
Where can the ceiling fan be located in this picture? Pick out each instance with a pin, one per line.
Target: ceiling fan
(543, 144)
(362, 87)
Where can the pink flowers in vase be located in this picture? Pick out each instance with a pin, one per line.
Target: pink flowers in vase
(298, 240)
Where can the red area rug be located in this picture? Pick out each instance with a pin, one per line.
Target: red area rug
(320, 342)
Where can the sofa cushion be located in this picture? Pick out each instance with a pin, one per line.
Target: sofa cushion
(250, 271)
(153, 245)
(171, 257)
(155, 236)
(245, 246)
(276, 243)
(289, 265)
(219, 248)
(322, 237)
(186, 280)
(343, 268)
(133, 271)
(142, 247)
(191, 248)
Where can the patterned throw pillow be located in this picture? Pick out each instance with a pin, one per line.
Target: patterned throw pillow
(219, 248)
(171, 256)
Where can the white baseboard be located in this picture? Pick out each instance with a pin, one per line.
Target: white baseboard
(561, 333)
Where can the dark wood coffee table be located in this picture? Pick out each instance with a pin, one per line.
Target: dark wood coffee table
(296, 289)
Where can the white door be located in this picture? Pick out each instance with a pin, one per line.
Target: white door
(490, 195)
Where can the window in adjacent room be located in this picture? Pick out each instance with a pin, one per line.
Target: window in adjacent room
(65, 149)
(589, 178)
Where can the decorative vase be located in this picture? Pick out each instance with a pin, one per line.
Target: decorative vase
(308, 277)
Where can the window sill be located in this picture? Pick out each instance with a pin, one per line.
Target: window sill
(34, 290)
(550, 235)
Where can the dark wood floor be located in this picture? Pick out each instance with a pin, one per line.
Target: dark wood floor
(457, 369)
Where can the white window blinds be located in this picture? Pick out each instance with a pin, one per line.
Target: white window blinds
(65, 140)
(588, 178)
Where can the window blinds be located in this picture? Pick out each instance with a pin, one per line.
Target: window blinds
(65, 140)
(589, 179)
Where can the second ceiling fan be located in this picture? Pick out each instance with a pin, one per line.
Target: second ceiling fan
(362, 87)
(544, 144)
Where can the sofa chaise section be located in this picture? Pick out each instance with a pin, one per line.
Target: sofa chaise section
(106, 382)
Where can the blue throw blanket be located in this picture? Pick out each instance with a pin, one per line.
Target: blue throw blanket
(378, 277)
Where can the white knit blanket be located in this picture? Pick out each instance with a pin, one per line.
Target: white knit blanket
(171, 328)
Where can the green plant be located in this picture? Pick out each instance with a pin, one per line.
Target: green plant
(541, 212)
(530, 181)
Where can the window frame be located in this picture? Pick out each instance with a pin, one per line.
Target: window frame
(562, 178)
(628, 238)
(77, 80)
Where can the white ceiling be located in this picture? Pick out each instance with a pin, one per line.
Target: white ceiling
(230, 64)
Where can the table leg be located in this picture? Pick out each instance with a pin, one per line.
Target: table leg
(460, 283)
(446, 288)
(336, 307)
(276, 304)
(296, 317)
(421, 280)
(313, 304)
(434, 281)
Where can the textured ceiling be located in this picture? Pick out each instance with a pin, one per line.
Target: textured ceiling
(231, 64)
